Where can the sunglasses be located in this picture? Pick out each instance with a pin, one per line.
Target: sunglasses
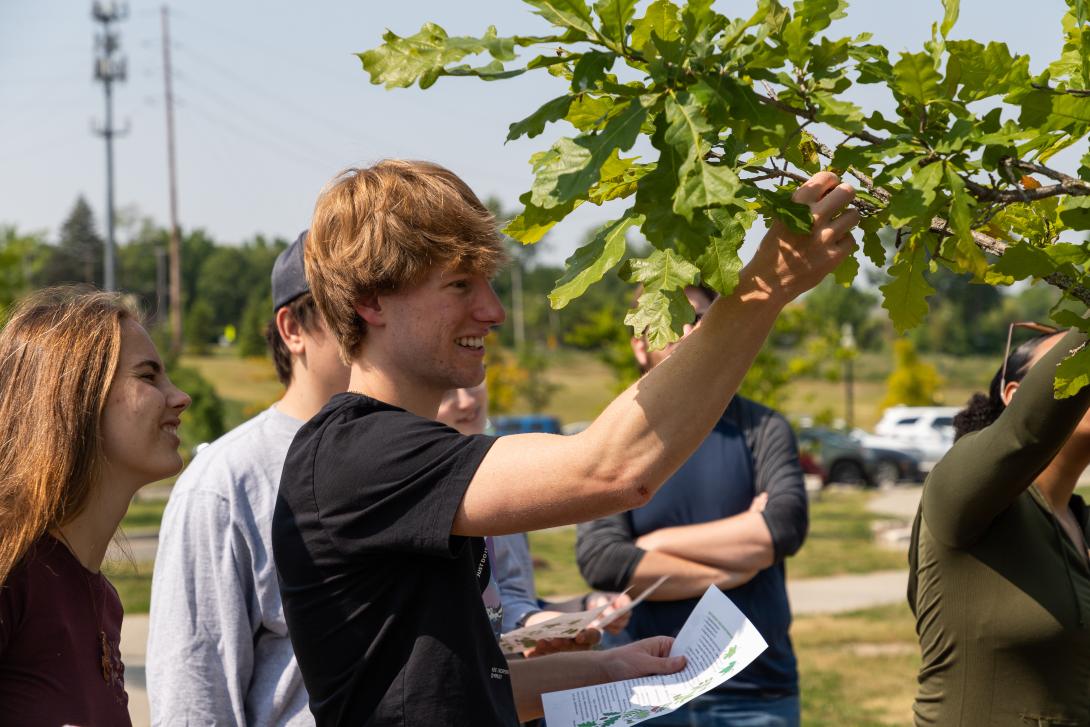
(1042, 328)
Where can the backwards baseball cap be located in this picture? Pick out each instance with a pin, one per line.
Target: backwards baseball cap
(289, 280)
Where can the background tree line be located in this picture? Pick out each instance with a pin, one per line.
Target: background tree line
(227, 298)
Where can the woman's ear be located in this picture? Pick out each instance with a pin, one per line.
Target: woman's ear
(1008, 392)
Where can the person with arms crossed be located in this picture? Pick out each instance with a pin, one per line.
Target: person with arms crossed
(379, 524)
(728, 517)
(218, 648)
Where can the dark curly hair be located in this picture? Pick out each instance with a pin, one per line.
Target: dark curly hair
(983, 409)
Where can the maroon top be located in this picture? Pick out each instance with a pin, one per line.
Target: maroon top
(52, 610)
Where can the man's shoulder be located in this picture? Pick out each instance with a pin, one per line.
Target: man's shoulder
(748, 414)
(256, 445)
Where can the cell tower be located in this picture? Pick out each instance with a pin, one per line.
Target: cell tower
(110, 67)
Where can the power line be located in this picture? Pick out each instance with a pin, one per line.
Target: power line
(249, 85)
(247, 135)
(254, 121)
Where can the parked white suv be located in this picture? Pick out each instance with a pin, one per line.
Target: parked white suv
(929, 429)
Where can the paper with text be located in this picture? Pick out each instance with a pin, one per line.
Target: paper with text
(718, 642)
(609, 618)
(564, 626)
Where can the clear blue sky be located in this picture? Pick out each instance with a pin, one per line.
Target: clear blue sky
(272, 103)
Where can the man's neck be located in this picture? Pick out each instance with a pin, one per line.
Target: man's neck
(376, 383)
(305, 397)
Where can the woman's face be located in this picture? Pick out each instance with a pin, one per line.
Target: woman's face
(465, 409)
(142, 414)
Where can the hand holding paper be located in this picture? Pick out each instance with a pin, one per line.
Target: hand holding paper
(718, 642)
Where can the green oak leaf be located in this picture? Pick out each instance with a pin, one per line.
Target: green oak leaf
(966, 254)
(660, 20)
(567, 170)
(589, 263)
(983, 71)
(1068, 253)
(1073, 373)
(1023, 260)
(905, 295)
(590, 69)
(534, 124)
(1075, 213)
(810, 18)
(534, 222)
(1048, 110)
(700, 184)
(660, 316)
(661, 270)
(401, 62)
(573, 14)
(913, 202)
(588, 112)
(777, 205)
(872, 243)
(846, 271)
(720, 264)
(915, 77)
(615, 15)
(950, 16)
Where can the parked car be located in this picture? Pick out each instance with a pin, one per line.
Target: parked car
(833, 455)
(928, 429)
(522, 424)
(887, 466)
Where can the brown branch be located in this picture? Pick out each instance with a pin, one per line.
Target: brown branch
(997, 247)
(1075, 188)
(863, 134)
(1081, 92)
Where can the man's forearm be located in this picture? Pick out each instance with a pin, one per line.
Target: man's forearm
(530, 678)
(738, 543)
(688, 578)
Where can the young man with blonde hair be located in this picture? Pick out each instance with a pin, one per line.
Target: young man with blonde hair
(379, 522)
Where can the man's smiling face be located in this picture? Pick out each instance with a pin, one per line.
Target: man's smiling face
(435, 330)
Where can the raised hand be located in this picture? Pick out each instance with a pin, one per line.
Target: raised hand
(787, 263)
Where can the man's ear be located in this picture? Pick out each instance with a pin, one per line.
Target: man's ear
(290, 330)
(370, 310)
(639, 350)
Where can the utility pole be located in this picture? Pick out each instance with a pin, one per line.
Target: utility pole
(849, 350)
(175, 244)
(109, 68)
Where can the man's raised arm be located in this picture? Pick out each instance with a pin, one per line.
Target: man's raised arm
(531, 481)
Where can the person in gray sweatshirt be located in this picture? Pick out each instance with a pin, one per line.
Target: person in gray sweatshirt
(218, 647)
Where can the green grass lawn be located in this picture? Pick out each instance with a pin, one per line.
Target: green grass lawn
(133, 584)
(144, 514)
(857, 669)
(840, 539)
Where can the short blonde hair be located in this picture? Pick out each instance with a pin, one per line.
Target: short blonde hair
(381, 229)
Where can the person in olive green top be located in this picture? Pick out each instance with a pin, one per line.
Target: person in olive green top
(999, 582)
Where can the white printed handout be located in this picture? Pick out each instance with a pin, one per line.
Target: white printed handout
(564, 626)
(718, 641)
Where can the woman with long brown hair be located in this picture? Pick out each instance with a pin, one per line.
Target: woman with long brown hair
(87, 417)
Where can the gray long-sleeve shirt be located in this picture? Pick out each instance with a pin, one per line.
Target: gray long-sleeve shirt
(218, 648)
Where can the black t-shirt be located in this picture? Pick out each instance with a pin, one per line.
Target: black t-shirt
(382, 603)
